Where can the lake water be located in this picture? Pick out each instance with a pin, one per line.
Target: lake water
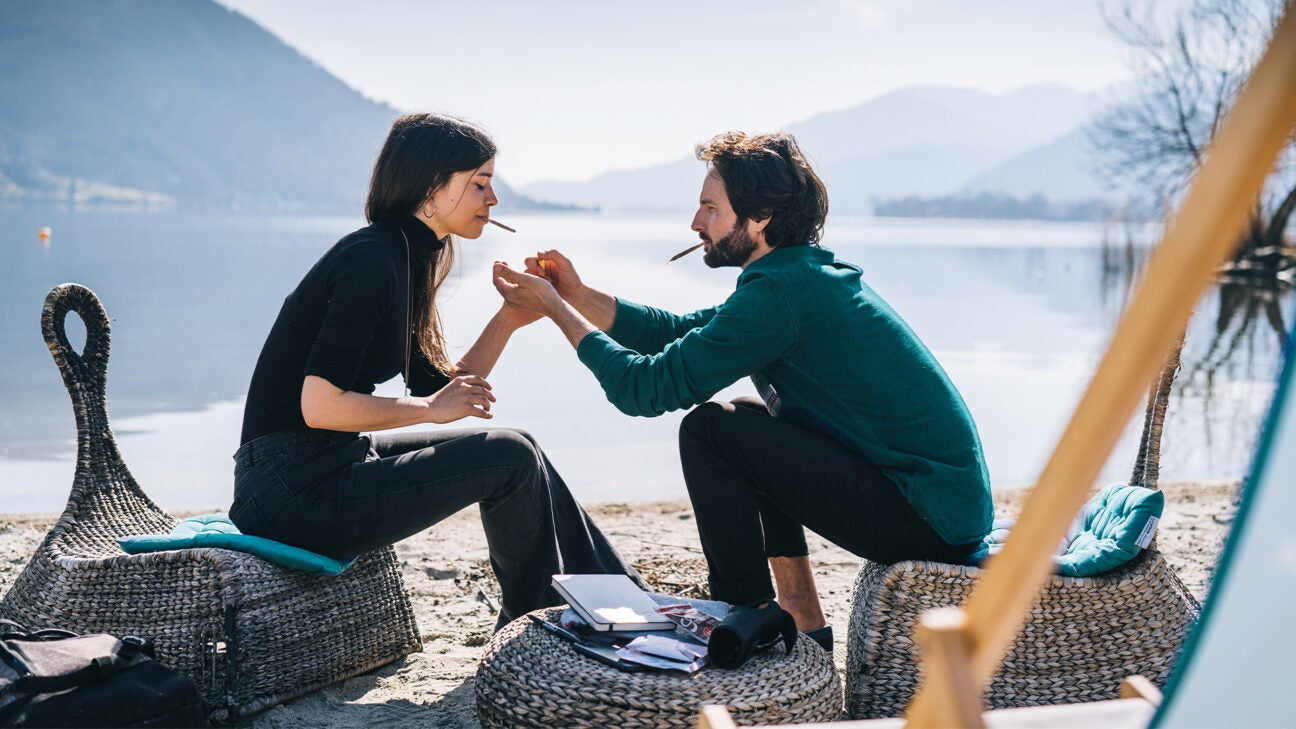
(1018, 314)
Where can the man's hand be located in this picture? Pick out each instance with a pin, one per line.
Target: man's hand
(525, 291)
(558, 270)
(534, 293)
(597, 307)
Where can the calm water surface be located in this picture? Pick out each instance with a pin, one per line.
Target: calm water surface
(1017, 313)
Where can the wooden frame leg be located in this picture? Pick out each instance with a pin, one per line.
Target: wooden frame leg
(1140, 687)
(715, 717)
(945, 639)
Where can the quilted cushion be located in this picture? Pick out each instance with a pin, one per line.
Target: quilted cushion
(216, 530)
(1110, 529)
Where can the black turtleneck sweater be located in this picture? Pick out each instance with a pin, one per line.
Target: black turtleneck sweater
(347, 321)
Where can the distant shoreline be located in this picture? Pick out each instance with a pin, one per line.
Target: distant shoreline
(355, 210)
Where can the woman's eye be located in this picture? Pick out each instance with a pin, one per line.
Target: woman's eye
(480, 186)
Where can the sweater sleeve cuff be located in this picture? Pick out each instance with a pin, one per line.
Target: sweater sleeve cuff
(629, 323)
(595, 350)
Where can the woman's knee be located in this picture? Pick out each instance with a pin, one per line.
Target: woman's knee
(516, 451)
(508, 446)
(526, 435)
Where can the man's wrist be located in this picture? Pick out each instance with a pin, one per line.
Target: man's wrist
(599, 308)
(571, 322)
(554, 305)
(580, 298)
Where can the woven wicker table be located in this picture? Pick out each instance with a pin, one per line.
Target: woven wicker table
(531, 678)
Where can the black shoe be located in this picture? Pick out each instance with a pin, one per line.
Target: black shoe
(822, 636)
(747, 628)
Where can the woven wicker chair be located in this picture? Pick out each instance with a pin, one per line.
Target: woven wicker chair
(1084, 635)
(251, 633)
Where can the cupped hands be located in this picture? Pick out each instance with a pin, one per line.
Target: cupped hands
(526, 291)
(558, 270)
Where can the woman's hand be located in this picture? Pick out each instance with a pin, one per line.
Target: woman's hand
(515, 317)
(467, 395)
(525, 291)
(558, 270)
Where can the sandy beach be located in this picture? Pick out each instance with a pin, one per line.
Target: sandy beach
(455, 596)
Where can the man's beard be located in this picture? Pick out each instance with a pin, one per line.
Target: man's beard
(732, 250)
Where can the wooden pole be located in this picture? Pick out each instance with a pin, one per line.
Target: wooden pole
(1199, 239)
(715, 717)
(1139, 687)
(946, 643)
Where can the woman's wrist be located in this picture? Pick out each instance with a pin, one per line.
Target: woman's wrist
(510, 319)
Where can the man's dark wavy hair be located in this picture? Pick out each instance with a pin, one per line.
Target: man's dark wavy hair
(768, 176)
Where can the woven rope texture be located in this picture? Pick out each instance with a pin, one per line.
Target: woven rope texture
(251, 633)
(531, 678)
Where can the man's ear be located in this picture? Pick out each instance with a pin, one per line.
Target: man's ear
(756, 229)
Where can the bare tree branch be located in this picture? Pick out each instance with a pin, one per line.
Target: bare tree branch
(1188, 71)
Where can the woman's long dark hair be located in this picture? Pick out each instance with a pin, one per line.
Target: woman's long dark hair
(422, 151)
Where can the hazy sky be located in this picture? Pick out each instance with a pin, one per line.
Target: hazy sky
(571, 89)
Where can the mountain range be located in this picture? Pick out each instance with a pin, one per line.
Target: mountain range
(157, 102)
(925, 141)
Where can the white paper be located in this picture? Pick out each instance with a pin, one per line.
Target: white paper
(662, 652)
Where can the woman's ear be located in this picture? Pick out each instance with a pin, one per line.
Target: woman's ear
(428, 209)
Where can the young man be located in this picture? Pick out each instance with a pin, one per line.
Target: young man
(861, 436)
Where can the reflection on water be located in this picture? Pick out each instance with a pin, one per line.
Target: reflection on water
(1017, 313)
(1231, 356)
(1249, 325)
(1232, 353)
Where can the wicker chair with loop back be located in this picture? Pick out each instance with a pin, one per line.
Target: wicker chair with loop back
(1084, 635)
(253, 634)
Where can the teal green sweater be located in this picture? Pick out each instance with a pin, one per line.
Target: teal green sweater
(824, 351)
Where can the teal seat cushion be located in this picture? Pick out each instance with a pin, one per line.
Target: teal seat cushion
(1112, 527)
(216, 530)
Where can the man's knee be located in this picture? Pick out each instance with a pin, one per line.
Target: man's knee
(702, 421)
(704, 438)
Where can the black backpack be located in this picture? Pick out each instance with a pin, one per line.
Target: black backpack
(57, 678)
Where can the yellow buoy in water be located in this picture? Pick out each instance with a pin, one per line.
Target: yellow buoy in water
(44, 233)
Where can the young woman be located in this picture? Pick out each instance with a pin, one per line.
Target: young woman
(366, 311)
